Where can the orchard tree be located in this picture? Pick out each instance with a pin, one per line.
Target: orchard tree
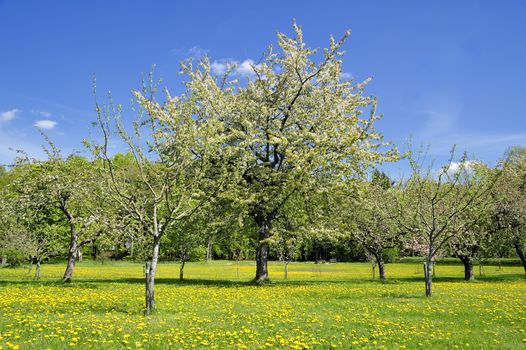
(510, 197)
(371, 219)
(6, 222)
(185, 237)
(174, 163)
(10, 240)
(39, 227)
(471, 245)
(226, 225)
(320, 213)
(65, 185)
(289, 232)
(287, 242)
(432, 206)
(294, 120)
(478, 234)
(239, 245)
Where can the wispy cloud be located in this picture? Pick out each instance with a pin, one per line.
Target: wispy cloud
(444, 126)
(43, 113)
(438, 122)
(441, 131)
(193, 52)
(478, 143)
(45, 124)
(13, 140)
(9, 115)
(67, 109)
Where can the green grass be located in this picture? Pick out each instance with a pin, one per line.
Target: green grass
(320, 306)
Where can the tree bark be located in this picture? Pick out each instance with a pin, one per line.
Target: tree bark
(209, 250)
(4, 261)
(377, 258)
(316, 253)
(37, 270)
(72, 254)
(181, 269)
(94, 252)
(237, 268)
(262, 248)
(30, 264)
(521, 254)
(468, 268)
(381, 266)
(286, 270)
(151, 266)
(428, 275)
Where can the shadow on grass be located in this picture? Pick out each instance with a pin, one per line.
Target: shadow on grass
(93, 283)
(490, 279)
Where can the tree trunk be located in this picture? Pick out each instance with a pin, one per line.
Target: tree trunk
(381, 266)
(262, 249)
(316, 254)
(94, 251)
(181, 268)
(286, 270)
(37, 270)
(373, 268)
(72, 254)
(4, 261)
(237, 270)
(209, 250)
(151, 266)
(481, 266)
(30, 264)
(520, 253)
(468, 268)
(428, 275)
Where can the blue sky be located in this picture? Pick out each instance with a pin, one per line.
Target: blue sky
(445, 72)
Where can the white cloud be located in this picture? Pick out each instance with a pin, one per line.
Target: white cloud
(243, 69)
(467, 165)
(346, 76)
(218, 68)
(45, 124)
(8, 115)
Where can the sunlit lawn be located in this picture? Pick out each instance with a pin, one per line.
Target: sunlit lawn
(320, 306)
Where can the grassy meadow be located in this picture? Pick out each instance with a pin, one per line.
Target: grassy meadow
(329, 306)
